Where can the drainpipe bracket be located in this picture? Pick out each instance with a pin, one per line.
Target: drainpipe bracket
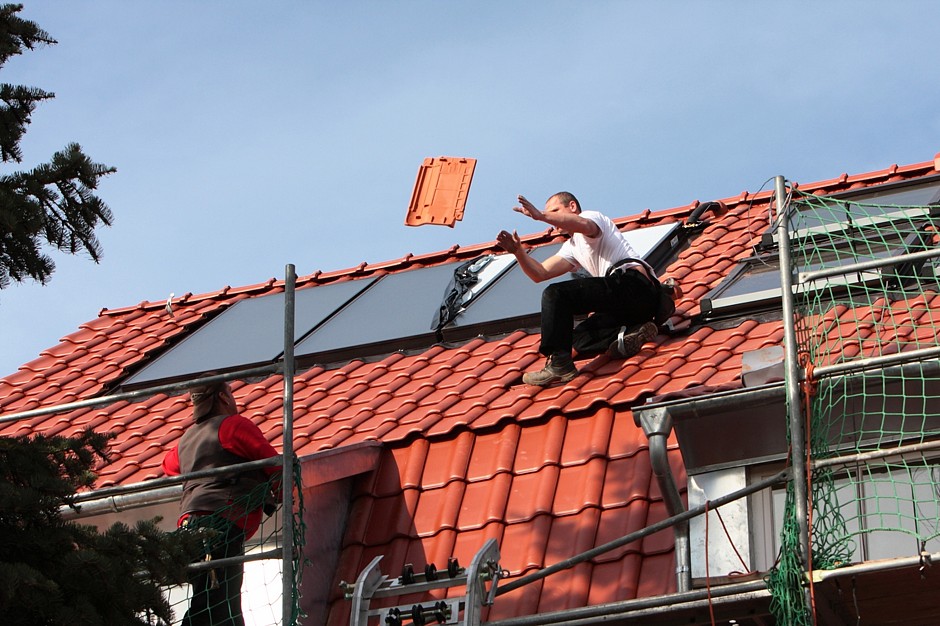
(655, 421)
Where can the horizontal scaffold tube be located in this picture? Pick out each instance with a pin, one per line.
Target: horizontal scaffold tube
(169, 389)
(649, 530)
(637, 608)
(148, 492)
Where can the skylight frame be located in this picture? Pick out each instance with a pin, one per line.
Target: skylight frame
(715, 304)
(769, 238)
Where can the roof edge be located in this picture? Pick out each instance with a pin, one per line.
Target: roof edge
(642, 218)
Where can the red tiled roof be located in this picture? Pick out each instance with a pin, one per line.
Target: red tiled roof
(469, 452)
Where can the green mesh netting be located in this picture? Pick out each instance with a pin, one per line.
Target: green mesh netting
(246, 591)
(886, 504)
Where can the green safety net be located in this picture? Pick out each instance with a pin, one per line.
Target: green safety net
(215, 596)
(883, 504)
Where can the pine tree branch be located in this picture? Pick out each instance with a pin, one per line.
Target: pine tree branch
(54, 203)
(17, 34)
(18, 105)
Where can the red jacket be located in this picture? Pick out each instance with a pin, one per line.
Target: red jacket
(240, 437)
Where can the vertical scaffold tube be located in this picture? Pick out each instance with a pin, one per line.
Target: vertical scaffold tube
(794, 401)
(287, 478)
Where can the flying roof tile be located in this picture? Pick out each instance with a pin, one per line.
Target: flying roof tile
(440, 192)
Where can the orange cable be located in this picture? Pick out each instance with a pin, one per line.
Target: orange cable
(731, 541)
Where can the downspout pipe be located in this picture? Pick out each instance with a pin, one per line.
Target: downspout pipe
(656, 420)
(657, 425)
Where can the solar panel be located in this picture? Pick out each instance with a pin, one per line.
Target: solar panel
(397, 313)
(250, 332)
(359, 318)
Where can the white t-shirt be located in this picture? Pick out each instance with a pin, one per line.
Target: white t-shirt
(597, 254)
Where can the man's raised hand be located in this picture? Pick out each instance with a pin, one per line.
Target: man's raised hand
(509, 242)
(528, 209)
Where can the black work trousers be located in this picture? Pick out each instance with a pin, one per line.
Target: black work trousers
(624, 298)
(216, 594)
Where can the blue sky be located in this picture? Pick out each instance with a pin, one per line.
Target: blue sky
(251, 135)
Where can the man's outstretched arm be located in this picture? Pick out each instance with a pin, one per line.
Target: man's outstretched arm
(552, 267)
(569, 222)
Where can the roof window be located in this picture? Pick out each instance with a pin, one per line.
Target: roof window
(833, 231)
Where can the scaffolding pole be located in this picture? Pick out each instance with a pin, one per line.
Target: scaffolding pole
(679, 518)
(794, 400)
(287, 519)
(875, 455)
(861, 266)
(170, 389)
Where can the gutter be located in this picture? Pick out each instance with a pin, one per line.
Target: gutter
(119, 503)
(714, 402)
(316, 469)
(149, 492)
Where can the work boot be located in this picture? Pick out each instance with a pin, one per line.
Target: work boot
(629, 343)
(558, 369)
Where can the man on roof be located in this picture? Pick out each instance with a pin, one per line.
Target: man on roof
(231, 505)
(621, 291)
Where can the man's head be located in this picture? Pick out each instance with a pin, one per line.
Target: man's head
(212, 399)
(563, 201)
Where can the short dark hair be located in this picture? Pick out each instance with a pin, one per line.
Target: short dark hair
(567, 197)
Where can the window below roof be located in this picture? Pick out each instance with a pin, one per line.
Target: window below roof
(859, 209)
(909, 508)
